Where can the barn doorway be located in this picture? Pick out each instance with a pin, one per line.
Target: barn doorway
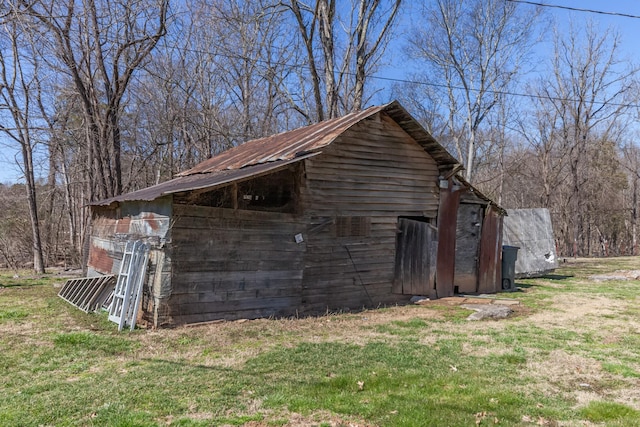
(468, 235)
(416, 252)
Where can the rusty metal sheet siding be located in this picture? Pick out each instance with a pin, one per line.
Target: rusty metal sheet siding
(100, 261)
(374, 170)
(149, 221)
(447, 218)
(490, 271)
(105, 247)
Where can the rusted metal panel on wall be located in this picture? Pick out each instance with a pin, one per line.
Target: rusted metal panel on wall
(490, 272)
(104, 255)
(112, 228)
(447, 219)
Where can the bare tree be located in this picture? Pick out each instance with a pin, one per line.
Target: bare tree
(19, 89)
(351, 43)
(99, 45)
(218, 82)
(472, 50)
(631, 163)
(588, 93)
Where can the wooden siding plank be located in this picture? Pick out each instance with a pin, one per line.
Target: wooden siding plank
(408, 211)
(338, 183)
(233, 296)
(214, 309)
(380, 172)
(345, 196)
(223, 213)
(240, 225)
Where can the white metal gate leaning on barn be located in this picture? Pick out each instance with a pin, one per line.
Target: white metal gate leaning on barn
(128, 293)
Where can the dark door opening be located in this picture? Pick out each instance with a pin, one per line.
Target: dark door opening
(468, 234)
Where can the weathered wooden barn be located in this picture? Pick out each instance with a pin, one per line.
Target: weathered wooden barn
(362, 210)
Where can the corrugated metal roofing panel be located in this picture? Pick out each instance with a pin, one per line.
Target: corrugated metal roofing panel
(199, 181)
(282, 146)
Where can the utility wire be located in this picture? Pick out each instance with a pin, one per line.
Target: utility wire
(576, 9)
(398, 80)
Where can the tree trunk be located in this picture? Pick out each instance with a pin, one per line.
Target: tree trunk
(38, 259)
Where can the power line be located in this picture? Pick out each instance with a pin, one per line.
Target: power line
(576, 9)
(510, 93)
(398, 80)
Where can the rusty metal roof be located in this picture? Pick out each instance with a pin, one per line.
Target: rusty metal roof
(199, 181)
(288, 145)
(267, 154)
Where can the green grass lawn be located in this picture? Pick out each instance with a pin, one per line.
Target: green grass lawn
(569, 356)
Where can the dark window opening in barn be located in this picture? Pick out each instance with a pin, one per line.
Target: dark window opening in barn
(220, 198)
(274, 192)
(353, 226)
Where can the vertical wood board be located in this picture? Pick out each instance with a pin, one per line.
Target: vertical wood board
(415, 258)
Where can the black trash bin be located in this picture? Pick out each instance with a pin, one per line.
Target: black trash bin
(509, 257)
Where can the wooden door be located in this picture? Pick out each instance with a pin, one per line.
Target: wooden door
(416, 249)
(468, 233)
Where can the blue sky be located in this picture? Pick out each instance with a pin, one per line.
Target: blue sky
(629, 29)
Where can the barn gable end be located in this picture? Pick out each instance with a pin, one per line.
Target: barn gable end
(354, 193)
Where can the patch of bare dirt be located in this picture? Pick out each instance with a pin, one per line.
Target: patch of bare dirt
(617, 275)
(575, 312)
(314, 420)
(568, 371)
(293, 419)
(233, 342)
(582, 378)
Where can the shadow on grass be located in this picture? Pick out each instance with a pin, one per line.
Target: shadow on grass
(556, 277)
(9, 279)
(21, 283)
(529, 282)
